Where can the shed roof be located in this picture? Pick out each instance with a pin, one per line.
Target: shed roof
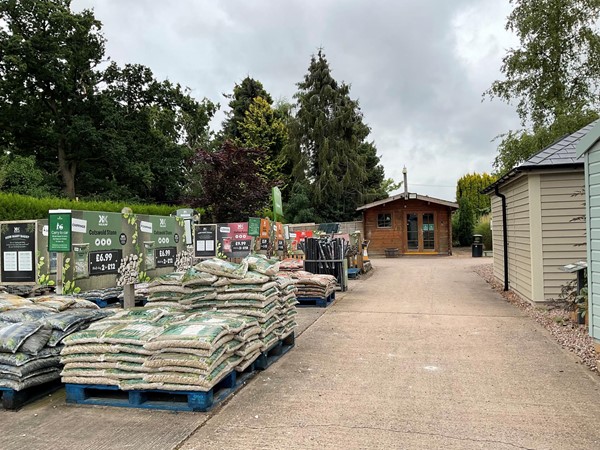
(589, 140)
(411, 196)
(560, 154)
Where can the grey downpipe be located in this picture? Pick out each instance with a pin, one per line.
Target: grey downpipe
(504, 236)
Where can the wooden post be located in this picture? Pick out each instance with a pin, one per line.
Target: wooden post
(128, 296)
(59, 274)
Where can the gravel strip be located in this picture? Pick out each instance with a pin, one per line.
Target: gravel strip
(569, 335)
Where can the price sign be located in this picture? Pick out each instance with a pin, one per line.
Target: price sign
(264, 244)
(165, 257)
(105, 262)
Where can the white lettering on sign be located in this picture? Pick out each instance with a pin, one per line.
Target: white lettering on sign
(102, 220)
(79, 226)
(163, 223)
(145, 227)
(225, 230)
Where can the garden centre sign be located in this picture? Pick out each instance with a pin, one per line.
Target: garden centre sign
(59, 230)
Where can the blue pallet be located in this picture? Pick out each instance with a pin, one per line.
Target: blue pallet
(353, 273)
(105, 395)
(103, 303)
(316, 301)
(276, 351)
(14, 400)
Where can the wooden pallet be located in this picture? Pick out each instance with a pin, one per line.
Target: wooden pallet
(14, 400)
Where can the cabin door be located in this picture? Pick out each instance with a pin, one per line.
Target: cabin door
(420, 232)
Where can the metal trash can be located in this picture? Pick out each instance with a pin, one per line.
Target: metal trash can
(476, 250)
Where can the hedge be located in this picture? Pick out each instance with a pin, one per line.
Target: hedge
(22, 207)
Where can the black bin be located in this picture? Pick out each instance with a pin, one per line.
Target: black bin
(477, 246)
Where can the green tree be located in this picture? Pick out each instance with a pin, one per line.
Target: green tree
(328, 143)
(463, 229)
(264, 128)
(239, 102)
(469, 186)
(553, 75)
(20, 175)
(114, 133)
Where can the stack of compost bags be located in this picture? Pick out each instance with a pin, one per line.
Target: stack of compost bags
(158, 348)
(250, 288)
(31, 333)
(312, 285)
(197, 327)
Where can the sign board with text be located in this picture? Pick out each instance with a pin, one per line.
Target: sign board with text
(234, 240)
(59, 231)
(205, 241)
(18, 248)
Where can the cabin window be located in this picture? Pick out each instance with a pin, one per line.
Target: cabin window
(384, 220)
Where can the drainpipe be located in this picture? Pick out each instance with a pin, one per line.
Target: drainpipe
(405, 183)
(504, 236)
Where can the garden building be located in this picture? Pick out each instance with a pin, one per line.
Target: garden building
(413, 224)
(537, 220)
(589, 149)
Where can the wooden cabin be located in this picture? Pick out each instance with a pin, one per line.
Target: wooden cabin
(412, 223)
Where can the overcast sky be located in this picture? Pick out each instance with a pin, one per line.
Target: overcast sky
(418, 68)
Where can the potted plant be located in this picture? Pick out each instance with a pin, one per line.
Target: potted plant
(581, 300)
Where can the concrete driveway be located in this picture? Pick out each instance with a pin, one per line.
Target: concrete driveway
(421, 355)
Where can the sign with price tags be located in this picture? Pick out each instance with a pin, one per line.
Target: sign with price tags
(165, 257)
(234, 239)
(104, 262)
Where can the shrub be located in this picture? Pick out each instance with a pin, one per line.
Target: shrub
(22, 207)
(484, 228)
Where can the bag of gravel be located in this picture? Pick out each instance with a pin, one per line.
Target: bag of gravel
(260, 263)
(223, 268)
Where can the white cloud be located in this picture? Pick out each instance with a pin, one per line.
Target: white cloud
(417, 68)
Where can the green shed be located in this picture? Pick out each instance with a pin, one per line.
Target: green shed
(589, 147)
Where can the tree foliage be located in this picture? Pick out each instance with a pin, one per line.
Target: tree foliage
(111, 133)
(239, 101)
(463, 227)
(553, 75)
(264, 128)
(338, 168)
(469, 186)
(230, 186)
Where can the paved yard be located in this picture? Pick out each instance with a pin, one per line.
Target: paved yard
(420, 355)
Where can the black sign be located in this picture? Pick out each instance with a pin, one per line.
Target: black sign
(105, 262)
(280, 245)
(123, 239)
(176, 238)
(264, 244)
(205, 241)
(165, 257)
(17, 246)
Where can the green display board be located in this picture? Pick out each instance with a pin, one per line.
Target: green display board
(277, 203)
(59, 231)
(254, 226)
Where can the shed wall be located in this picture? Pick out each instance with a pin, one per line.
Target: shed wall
(519, 238)
(563, 239)
(592, 179)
